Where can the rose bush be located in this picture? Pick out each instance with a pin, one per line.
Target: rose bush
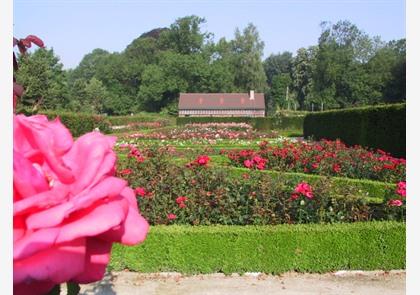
(175, 193)
(331, 158)
(68, 206)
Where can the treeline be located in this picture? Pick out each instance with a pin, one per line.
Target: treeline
(346, 68)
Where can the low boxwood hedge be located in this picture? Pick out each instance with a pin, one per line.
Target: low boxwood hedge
(379, 127)
(269, 249)
(142, 117)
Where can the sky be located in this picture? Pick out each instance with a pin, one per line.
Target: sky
(74, 28)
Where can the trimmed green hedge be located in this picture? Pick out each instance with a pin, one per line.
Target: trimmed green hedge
(267, 249)
(379, 127)
(260, 123)
(80, 123)
(142, 117)
(373, 191)
(77, 123)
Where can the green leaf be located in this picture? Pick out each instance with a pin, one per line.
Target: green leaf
(55, 290)
(72, 288)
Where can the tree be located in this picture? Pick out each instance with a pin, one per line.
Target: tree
(302, 72)
(96, 95)
(44, 80)
(89, 65)
(247, 49)
(277, 64)
(185, 36)
(278, 89)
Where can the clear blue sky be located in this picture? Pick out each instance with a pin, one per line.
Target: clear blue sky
(76, 27)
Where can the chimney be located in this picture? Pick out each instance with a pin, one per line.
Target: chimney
(251, 95)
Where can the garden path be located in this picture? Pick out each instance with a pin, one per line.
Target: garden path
(343, 283)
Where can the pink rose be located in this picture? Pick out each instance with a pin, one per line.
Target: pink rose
(68, 207)
(401, 188)
(171, 216)
(203, 160)
(141, 191)
(248, 163)
(304, 189)
(395, 203)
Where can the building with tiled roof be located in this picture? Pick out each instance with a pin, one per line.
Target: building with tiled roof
(221, 104)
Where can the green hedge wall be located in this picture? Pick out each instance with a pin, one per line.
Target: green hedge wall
(260, 123)
(379, 127)
(80, 123)
(267, 249)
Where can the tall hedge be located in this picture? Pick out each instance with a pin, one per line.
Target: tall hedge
(379, 127)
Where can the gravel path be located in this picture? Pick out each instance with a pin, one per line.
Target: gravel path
(342, 283)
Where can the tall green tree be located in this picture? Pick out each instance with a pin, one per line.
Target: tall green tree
(277, 64)
(302, 74)
(185, 35)
(44, 80)
(247, 48)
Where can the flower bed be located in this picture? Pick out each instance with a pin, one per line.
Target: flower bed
(324, 158)
(214, 195)
(208, 132)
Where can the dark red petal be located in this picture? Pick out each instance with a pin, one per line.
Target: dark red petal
(35, 40)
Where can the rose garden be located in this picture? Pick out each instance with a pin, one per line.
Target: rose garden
(305, 192)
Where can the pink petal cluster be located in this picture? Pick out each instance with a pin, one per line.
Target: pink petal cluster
(141, 191)
(203, 160)
(395, 203)
(171, 216)
(401, 188)
(68, 207)
(181, 201)
(303, 188)
(256, 161)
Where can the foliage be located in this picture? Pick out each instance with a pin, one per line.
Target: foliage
(211, 195)
(44, 80)
(140, 117)
(380, 127)
(266, 249)
(80, 123)
(325, 158)
(346, 68)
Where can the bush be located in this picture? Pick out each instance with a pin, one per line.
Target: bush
(267, 249)
(140, 118)
(215, 195)
(324, 158)
(80, 123)
(261, 123)
(380, 127)
(77, 123)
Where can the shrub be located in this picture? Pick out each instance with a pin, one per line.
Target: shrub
(267, 249)
(324, 158)
(217, 196)
(80, 123)
(380, 127)
(140, 118)
(77, 123)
